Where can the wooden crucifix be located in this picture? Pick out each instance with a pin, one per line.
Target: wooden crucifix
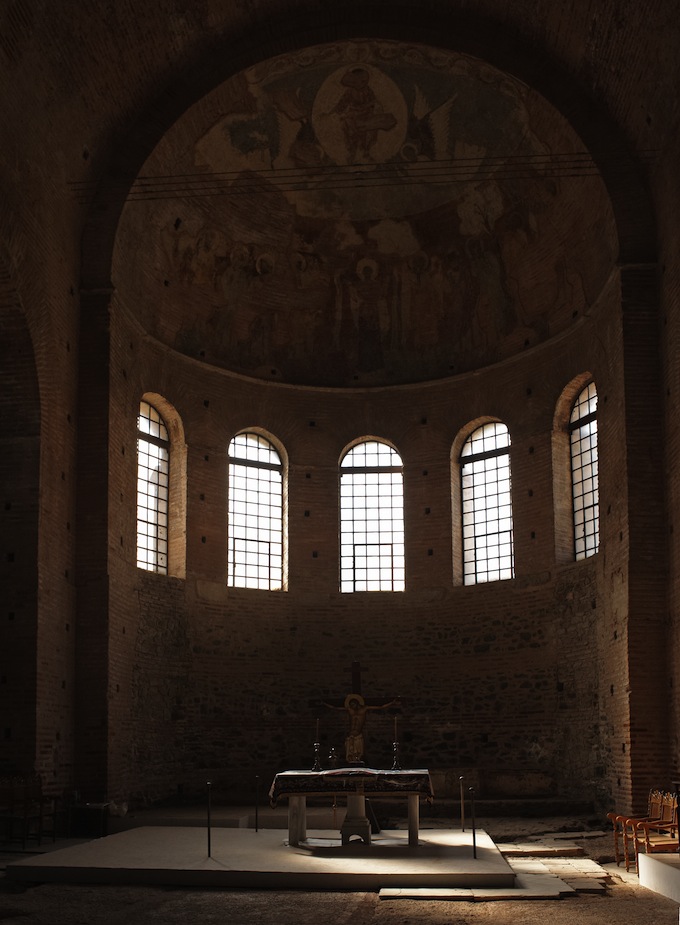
(356, 708)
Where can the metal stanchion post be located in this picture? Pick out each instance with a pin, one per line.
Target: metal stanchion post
(209, 786)
(257, 802)
(472, 814)
(462, 805)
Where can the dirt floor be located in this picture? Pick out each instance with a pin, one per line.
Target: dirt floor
(622, 902)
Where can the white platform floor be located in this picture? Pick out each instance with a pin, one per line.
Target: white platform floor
(443, 863)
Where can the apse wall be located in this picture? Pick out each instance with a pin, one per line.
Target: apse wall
(519, 684)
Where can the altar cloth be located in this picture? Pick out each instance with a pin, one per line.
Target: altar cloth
(370, 781)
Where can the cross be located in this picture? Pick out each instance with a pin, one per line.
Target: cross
(356, 678)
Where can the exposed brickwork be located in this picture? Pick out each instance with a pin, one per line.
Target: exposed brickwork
(127, 684)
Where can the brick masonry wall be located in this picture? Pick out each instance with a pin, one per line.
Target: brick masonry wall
(514, 681)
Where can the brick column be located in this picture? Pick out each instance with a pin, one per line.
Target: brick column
(91, 749)
(647, 531)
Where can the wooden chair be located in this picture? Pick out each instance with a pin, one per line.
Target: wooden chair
(661, 835)
(26, 811)
(624, 835)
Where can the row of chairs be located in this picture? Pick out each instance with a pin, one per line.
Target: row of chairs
(25, 811)
(654, 832)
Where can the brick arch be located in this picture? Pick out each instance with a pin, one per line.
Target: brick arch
(223, 56)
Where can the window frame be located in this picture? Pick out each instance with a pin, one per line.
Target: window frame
(384, 545)
(586, 543)
(150, 445)
(474, 507)
(248, 568)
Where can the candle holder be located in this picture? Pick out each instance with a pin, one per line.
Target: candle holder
(317, 760)
(396, 764)
(332, 759)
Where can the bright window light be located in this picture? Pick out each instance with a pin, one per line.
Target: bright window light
(255, 535)
(372, 519)
(153, 468)
(584, 473)
(486, 505)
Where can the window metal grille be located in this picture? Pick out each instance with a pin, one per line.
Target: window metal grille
(584, 473)
(488, 553)
(372, 519)
(255, 534)
(153, 469)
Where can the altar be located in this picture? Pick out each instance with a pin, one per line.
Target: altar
(354, 784)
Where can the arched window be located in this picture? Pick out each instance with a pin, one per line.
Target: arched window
(584, 473)
(371, 518)
(486, 505)
(255, 556)
(153, 481)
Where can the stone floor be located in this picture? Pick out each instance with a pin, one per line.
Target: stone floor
(570, 849)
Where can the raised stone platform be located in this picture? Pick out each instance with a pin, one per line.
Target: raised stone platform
(244, 858)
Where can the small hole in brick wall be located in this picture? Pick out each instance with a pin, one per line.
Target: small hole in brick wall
(531, 450)
(3, 679)
(117, 688)
(121, 541)
(423, 420)
(306, 513)
(10, 615)
(616, 634)
(611, 689)
(63, 685)
(430, 552)
(427, 510)
(424, 471)
(202, 497)
(206, 403)
(315, 555)
(308, 475)
(65, 573)
(529, 390)
(63, 476)
(203, 539)
(623, 748)
(207, 458)
(8, 505)
(8, 733)
(67, 627)
(178, 222)
(201, 353)
(166, 283)
(620, 534)
(618, 781)
(531, 493)
(312, 423)
(123, 631)
(57, 736)
(68, 418)
(86, 154)
(533, 534)
(10, 557)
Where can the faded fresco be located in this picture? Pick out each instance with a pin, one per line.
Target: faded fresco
(364, 213)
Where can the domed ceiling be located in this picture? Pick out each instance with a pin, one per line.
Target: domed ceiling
(364, 213)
